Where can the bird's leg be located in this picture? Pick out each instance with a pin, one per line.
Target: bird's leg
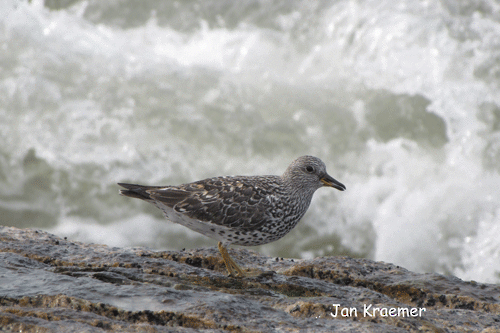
(232, 267)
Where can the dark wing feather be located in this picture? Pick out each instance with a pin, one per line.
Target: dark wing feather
(236, 202)
(136, 191)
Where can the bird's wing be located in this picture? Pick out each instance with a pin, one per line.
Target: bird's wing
(237, 202)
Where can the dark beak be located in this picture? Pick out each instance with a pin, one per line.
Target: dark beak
(329, 181)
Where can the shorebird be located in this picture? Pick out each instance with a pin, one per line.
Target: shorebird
(240, 210)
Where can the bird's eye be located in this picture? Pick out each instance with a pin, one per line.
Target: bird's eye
(309, 169)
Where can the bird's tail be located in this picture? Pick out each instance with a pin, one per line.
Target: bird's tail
(136, 191)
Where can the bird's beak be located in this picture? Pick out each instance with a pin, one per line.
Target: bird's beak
(329, 181)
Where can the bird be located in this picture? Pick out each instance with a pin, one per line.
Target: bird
(240, 210)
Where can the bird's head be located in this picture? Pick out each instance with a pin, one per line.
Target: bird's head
(309, 172)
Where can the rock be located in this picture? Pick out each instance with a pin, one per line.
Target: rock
(50, 284)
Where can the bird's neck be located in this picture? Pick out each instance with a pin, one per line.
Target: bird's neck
(298, 190)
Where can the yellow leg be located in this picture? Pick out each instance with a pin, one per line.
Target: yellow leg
(232, 267)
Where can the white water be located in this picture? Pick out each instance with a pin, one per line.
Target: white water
(399, 98)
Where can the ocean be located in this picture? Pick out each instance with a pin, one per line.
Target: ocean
(400, 99)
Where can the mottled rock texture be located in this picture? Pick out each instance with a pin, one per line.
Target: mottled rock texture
(50, 284)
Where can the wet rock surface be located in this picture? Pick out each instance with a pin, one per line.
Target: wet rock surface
(50, 284)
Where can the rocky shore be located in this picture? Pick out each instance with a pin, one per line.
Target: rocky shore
(50, 284)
